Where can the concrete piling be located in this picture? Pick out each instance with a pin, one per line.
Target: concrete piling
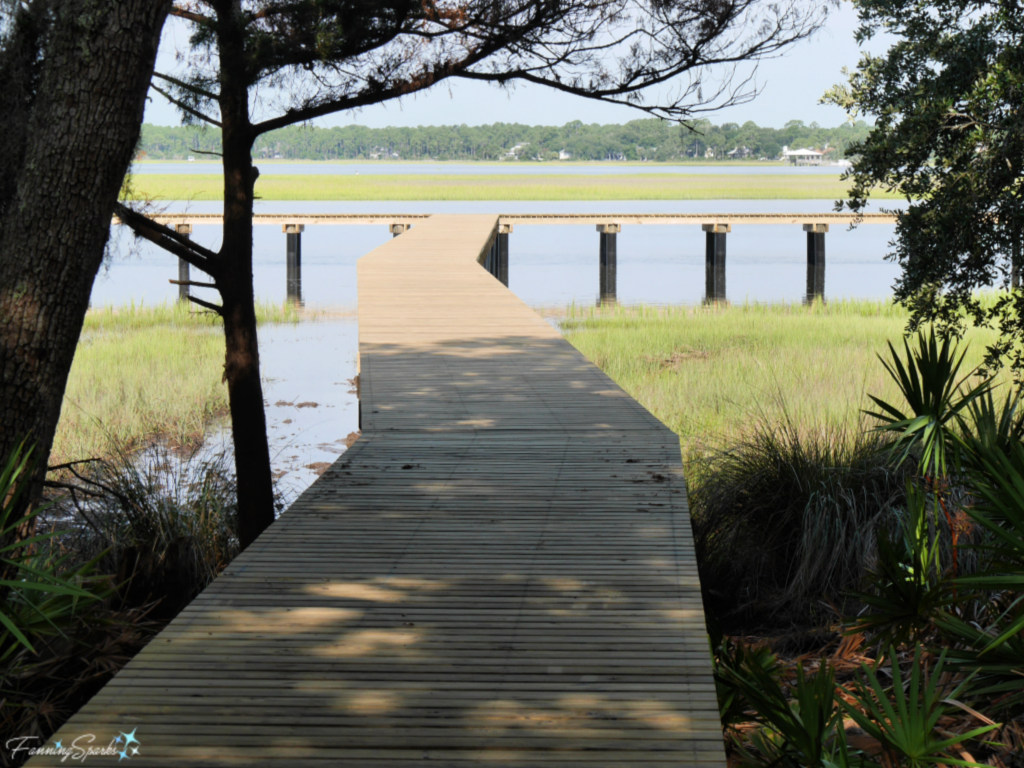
(608, 262)
(714, 261)
(293, 261)
(815, 261)
(183, 267)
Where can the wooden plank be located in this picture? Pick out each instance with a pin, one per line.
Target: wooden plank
(500, 570)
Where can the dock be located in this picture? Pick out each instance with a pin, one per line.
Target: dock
(500, 571)
(715, 226)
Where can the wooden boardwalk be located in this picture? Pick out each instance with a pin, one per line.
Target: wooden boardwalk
(498, 573)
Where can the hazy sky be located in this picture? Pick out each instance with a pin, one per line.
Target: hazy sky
(791, 86)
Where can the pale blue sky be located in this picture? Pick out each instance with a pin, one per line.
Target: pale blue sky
(791, 86)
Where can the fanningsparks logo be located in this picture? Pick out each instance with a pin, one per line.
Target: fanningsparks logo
(124, 746)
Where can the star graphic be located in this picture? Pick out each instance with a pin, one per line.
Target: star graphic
(123, 754)
(129, 738)
(58, 744)
(135, 751)
(118, 739)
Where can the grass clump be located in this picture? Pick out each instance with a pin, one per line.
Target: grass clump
(166, 523)
(502, 187)
(785, 520)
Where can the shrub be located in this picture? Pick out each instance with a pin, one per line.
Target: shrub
(787, 518)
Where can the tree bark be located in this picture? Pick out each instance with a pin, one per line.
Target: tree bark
(84, 127)
(235, 283)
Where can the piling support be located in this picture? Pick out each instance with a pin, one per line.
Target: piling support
(501, 267)
(398, 229)
(714, 261)
(608, 263)
(815, 261)
(183, 269)
(293, 259)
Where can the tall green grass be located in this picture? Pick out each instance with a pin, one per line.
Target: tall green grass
(711, 372)
(502, 187)
(145, 371)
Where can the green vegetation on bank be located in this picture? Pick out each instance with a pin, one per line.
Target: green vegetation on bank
(651, 139)
(710, 372)
(351, 187)
(141, 372)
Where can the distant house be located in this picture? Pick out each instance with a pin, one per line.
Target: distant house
(802, 156)
(564, 155)
(191, 158)
(739, 153)
(513, 154)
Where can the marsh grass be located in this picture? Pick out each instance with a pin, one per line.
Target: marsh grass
(142, 372)
(443, 187)
(710, 372)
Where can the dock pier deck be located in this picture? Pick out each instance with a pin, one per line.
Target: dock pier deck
(500, 571)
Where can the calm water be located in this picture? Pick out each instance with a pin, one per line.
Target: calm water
(548, 265)
(565, 169)
(307, 369)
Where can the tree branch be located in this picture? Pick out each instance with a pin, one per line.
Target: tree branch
(169, 240)
(193, 285)
(184, 107)
(198, 18)
(212, 307)
(187, 86)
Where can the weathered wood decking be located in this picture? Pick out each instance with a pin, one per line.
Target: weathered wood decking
(498, 573)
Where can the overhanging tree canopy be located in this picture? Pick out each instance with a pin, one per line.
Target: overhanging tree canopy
(948, 98)
(258, 65)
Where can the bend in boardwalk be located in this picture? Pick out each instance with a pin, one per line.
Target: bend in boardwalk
(499, 572)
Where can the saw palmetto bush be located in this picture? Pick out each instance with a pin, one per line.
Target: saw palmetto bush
(938, 612)
(906, 587)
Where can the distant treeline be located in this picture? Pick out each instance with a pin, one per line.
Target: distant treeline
(651, 140)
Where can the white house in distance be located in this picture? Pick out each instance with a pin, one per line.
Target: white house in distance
(802, 156)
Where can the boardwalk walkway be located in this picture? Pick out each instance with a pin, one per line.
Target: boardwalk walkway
(498, 573)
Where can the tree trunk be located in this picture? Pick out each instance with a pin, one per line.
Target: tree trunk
(235, 283)
(83, 130)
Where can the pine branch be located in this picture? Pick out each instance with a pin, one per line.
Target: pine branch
(187, 86)
(165, 237)
(207, 305)
(184, 107)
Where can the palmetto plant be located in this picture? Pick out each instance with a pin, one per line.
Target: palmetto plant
(936, 396)
(732, 661)
(998, 666)
(39, 599)
(801, 730)
(905, 718)
(998, 484)
(906, 586)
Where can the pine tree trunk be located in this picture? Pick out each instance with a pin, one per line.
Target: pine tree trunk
(235, 282)
(84, 127)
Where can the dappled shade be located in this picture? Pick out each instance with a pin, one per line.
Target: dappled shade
(500, 571)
